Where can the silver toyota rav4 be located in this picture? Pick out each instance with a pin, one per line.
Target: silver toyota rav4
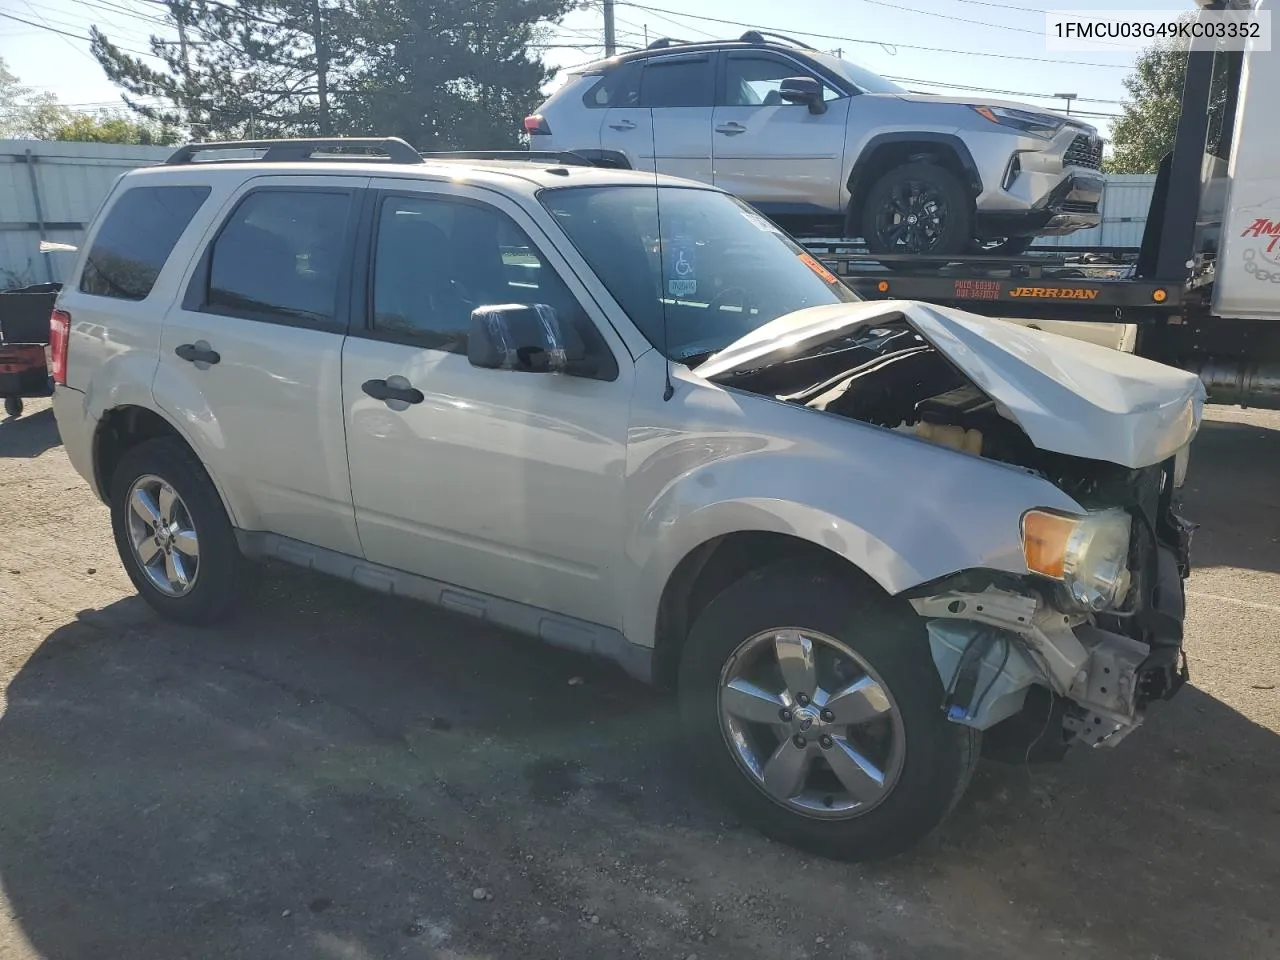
(625, 414)
(825, 147)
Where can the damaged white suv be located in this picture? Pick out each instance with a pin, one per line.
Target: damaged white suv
(632, 418)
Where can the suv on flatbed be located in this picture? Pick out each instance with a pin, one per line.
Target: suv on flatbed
(630, 417)
(827, 148)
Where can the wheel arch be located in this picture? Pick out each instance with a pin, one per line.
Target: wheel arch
(711, 566)
(124, 427)
(885, 151)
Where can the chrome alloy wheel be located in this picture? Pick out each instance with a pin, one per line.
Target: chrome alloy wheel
(162, 536)
(810, 723)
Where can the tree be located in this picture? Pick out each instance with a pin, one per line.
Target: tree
(1145, 131)
(24, 113)
(255, 68)
(448, 74)
(107, 127)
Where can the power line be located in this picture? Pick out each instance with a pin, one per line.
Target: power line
(236, 10)
(878, 43)
(1005, 6)
(36, 13)
(945, 16)
(67, 33)
(1011, 93)
(118, 8)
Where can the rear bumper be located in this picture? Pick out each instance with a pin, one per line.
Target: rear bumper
(76, 430)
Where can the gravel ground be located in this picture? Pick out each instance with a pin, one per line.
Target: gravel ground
(337, 775)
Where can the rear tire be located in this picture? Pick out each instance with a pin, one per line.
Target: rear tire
(170, 525)
(920, 785)
(930, 193)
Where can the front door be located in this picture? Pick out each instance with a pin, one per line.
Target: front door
(671, 119)
(505, 483)
(776, 155)
(250, 358)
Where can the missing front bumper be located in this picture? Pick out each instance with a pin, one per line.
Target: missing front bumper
(991, 648)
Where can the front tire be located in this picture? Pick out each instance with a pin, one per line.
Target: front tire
(919, 208)
(1006, 247)
(173, 535)
(860, 766)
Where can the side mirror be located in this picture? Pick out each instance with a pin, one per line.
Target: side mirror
(803, 90)
(515, 336)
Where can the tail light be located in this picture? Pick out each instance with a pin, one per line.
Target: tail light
(536, 125)
(59, 334)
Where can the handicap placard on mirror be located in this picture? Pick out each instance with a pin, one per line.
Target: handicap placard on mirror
(682, 267)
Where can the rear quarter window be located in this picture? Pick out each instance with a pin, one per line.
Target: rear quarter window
(140, 231)
(618, 88)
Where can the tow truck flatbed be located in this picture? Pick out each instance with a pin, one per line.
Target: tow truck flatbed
(1054, 286)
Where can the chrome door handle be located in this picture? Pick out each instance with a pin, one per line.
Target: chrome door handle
(381, 390)
(623, 125)
(199, 352)
(731, 128)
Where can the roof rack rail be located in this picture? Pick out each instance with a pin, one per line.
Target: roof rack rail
(663, 42)
(563, 157)
(759, 36)
(396, 150)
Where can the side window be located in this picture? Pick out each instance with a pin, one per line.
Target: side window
(437, 260)
(280, 256)
(618, 88)
(136, 238)
(755, 81)
(685, 82)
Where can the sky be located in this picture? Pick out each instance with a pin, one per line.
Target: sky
(959, 47)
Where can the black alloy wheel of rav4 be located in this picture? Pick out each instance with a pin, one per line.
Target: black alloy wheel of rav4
(919, 208)
(911, 216)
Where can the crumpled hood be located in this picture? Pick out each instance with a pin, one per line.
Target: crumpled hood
(1068, 396)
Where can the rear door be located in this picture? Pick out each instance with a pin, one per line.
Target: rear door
(250, 356)
(671, 118)
(777, 155)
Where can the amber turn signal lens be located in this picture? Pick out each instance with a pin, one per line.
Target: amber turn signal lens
(1159, 296)
(883, 286)
(1044, 542)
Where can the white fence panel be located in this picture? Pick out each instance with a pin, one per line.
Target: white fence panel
(1126, 198)
(70, 181)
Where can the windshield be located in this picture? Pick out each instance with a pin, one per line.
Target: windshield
(860, 77)
(718, 269)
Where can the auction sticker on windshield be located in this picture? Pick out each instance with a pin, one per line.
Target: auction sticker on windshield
(682, 267)
(818, 268)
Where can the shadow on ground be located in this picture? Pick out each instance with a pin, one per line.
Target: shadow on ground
(29, 435)
(336, 773)
(1233, 492)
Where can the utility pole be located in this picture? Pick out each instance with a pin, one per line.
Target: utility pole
(610, 38)
(322, 67)
(1067, 97)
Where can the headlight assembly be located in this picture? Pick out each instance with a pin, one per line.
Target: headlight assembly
(1041, 125)
(1088, 554)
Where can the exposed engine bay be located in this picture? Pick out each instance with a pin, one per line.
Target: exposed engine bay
(996, 638)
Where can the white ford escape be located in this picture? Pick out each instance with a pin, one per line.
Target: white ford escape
(630, 417)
